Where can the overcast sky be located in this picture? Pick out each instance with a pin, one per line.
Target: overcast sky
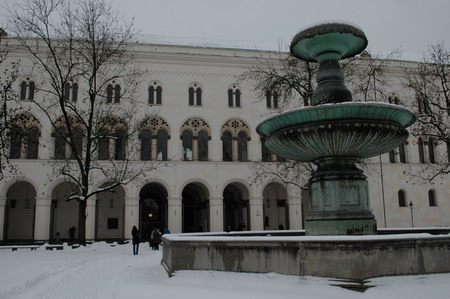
(408, 25)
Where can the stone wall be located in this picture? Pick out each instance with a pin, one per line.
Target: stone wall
(349, 257)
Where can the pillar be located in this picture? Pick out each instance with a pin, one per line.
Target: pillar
(175, 214)
(216, 214)
(90, 218)
(131, 216)
(2, 216)
(256, 213)
(42, 218)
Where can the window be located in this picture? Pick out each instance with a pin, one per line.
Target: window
(272, 99)
(27, 89)
(266, 154)
(187, 145)
(402, 153)
(78, 138)
(242, 147)
(113, 223)
(121, 141)
(203, 146)
(33, 143)
(431, 151)
(235, 137)
(161, 145)
(423, 105)
(392, 156)
(432, 198)
(60, 143)
(227, 146)
(155, 94)
(195, 95)
(146, 145)
(16, 143)
(421, 150)
(113, 93)
(103, 145)
(401, 198)
(393, 98)
(71, 92)
(234, 97)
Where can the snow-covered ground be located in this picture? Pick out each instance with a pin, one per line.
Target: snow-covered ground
(102, 271)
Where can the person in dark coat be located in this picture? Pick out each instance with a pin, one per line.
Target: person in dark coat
(136, 239)
(156, 238)
(72, 233)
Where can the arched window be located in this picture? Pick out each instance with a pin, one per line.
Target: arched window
(234, 97)
(242, 147)
(432, 198)
(121, 141)
(401, 198)
(155, 94)
(421, 150)
(227, 146)
(431, 151)
(392, 156)
(195, 95)
(103, 145)
(203, 146)
(78, 138)
(16, 143)
(146, 145)
(60, 143)
(187, 145)
(393, 98)
(272, 99)
(266, 154)
(113, 92)
(27, 89)
(71, 92)
(402, 153)
(161, 145)
(33, 143)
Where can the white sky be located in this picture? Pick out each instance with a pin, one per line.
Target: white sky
(408, 25)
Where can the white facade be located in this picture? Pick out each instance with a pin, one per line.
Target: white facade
(200, 195)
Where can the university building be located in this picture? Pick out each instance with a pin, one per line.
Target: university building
(202, 135)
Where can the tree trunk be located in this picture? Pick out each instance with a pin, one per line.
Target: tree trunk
(82, 222)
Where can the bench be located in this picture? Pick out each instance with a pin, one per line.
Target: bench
(15, 247)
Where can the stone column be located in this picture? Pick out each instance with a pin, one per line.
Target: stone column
(295, 212)
(256, 213)
(90, 218)
(235, 148)
(2, 216)
(42, 218)
(195, 148)
(131, 216)
(216, 214)
(175, 214)
(154, 145)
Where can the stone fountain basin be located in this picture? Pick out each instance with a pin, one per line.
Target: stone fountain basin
(349, 129)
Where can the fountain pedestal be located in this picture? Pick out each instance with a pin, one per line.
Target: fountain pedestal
(339, 200)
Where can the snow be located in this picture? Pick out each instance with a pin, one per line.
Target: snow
(102, 271)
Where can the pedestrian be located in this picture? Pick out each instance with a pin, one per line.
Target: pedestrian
(72, 233)
(156, 237)
(136, 240)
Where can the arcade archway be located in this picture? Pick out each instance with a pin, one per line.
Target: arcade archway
(20, 213)
(152, 209)
(195, 208)
(276, 213)
(110, 210)
(63, 213)
(236, 207)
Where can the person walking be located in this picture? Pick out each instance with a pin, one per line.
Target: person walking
(136, 240)
(156, 238)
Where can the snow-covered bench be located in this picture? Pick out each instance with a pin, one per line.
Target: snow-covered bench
(15, 247)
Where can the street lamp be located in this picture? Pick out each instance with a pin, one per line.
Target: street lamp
(411, 207)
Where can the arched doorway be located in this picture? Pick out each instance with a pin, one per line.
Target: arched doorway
(64, 214)
(276, 213)
(152, 209)
(20, 213)
(195, 208)
(110, 210)
(236, 207)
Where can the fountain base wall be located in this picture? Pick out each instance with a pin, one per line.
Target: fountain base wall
(357, 257)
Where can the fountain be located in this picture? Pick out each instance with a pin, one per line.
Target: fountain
(334, 133)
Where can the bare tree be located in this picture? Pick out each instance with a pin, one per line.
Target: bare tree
(430, 84)
(89, 77)
(8, 97)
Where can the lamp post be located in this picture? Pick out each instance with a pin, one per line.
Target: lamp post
(411, 207)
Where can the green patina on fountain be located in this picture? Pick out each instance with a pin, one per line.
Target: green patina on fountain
(335, 133)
